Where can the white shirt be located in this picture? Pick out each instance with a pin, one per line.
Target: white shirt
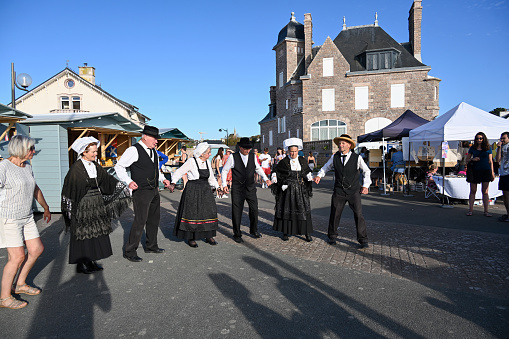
(366, 172)
(265, 160)
(90, 168)
(230, 163)
(190, 168)
(128, 158)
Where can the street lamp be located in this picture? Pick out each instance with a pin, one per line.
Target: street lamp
(225, 130)
(23, 79)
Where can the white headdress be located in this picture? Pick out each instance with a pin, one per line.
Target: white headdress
(79, 145)
(292, 142)
(200, 149)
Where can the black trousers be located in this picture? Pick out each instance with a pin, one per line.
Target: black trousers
(239, 195)
(338, 202)
(147, 207)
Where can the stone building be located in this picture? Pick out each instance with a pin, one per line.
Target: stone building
(357, 83)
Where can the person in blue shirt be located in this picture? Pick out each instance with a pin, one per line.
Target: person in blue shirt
(480, 171)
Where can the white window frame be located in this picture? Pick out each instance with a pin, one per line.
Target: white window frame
(289, 134)
(397, 95)
(343, 126)
(298, 134)
(263, 138)
(281, 79)
(328, 67)
(328, 100)
(287, 103)
(361, 97)
(299, 102)
(270, 138)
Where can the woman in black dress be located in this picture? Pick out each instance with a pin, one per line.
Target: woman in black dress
(293, 179)
(197, 212)
(91, 198)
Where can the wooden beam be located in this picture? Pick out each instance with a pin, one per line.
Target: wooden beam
(82, 133)
(123, 142)
(109, 142)
(103, 149)
(159, 147)
(7, 130)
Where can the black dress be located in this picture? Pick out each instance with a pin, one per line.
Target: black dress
(197, 213)
(88, 206)
(292, 211)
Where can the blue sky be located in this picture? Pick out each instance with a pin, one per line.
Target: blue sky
(202, 65)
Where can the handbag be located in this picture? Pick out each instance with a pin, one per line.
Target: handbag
(470, 171)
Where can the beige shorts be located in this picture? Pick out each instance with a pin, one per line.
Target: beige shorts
(13, 232)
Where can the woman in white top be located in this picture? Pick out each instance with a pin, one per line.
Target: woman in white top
(17, 225)
(197, 212)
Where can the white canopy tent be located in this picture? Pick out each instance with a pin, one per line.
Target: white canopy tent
(460, 123)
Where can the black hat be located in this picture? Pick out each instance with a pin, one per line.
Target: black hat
(151, 131)
(245, 143)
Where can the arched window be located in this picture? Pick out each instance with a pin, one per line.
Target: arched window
(375, 124)
(327, 129)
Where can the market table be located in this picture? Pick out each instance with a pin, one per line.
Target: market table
(459, 188)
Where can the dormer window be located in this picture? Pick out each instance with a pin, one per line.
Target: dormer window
(381, 59)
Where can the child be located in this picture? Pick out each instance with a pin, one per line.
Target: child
(432, 169)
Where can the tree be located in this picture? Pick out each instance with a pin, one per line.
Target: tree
(497, 111)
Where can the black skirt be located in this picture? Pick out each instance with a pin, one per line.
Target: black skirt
(197, 213)
(479, 176)
(292, 210)
(90, 239)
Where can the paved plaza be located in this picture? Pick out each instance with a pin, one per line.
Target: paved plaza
(429, 273)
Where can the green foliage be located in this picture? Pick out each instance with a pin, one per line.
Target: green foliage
(497, 111)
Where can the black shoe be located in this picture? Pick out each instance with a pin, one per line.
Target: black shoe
(238, 240)
(95, 266)
(285, 237)
(211, 241)
(332, 241)
(134, 258)
(83, 268)
(158, 250)
(308, 238)
(256, 234)
(192, 243)
(364, 245)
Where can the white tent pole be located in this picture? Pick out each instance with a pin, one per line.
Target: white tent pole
(408, 177)
(383, 162)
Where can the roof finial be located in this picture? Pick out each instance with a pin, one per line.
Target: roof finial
(344, 23)
(293, 17)
(376, 18)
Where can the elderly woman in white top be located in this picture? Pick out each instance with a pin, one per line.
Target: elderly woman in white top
(197, 213)
(293, 189)
(17, 225)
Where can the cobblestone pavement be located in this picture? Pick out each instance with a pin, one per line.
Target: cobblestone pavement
(432, 256)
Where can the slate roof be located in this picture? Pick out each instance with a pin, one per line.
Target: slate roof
(294, 30)
(354, 41)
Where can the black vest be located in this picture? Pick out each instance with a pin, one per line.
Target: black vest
(145, 172)
(241, 175)
(347, 176)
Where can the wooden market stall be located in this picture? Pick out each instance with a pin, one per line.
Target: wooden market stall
(171, 142)
(9, 126)
(54, 135)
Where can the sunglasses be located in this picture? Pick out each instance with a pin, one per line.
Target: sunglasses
(479, 138)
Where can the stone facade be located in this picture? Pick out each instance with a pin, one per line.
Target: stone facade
(296, 101)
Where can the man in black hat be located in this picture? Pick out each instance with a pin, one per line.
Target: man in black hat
(347, 167)
(243, 165)
(143, 162)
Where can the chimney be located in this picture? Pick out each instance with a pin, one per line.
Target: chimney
(308, 40)
(87, 73)
(414, 28)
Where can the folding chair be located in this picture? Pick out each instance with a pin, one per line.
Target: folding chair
(430, 190)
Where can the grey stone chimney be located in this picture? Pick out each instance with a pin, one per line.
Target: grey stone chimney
(414, 28)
